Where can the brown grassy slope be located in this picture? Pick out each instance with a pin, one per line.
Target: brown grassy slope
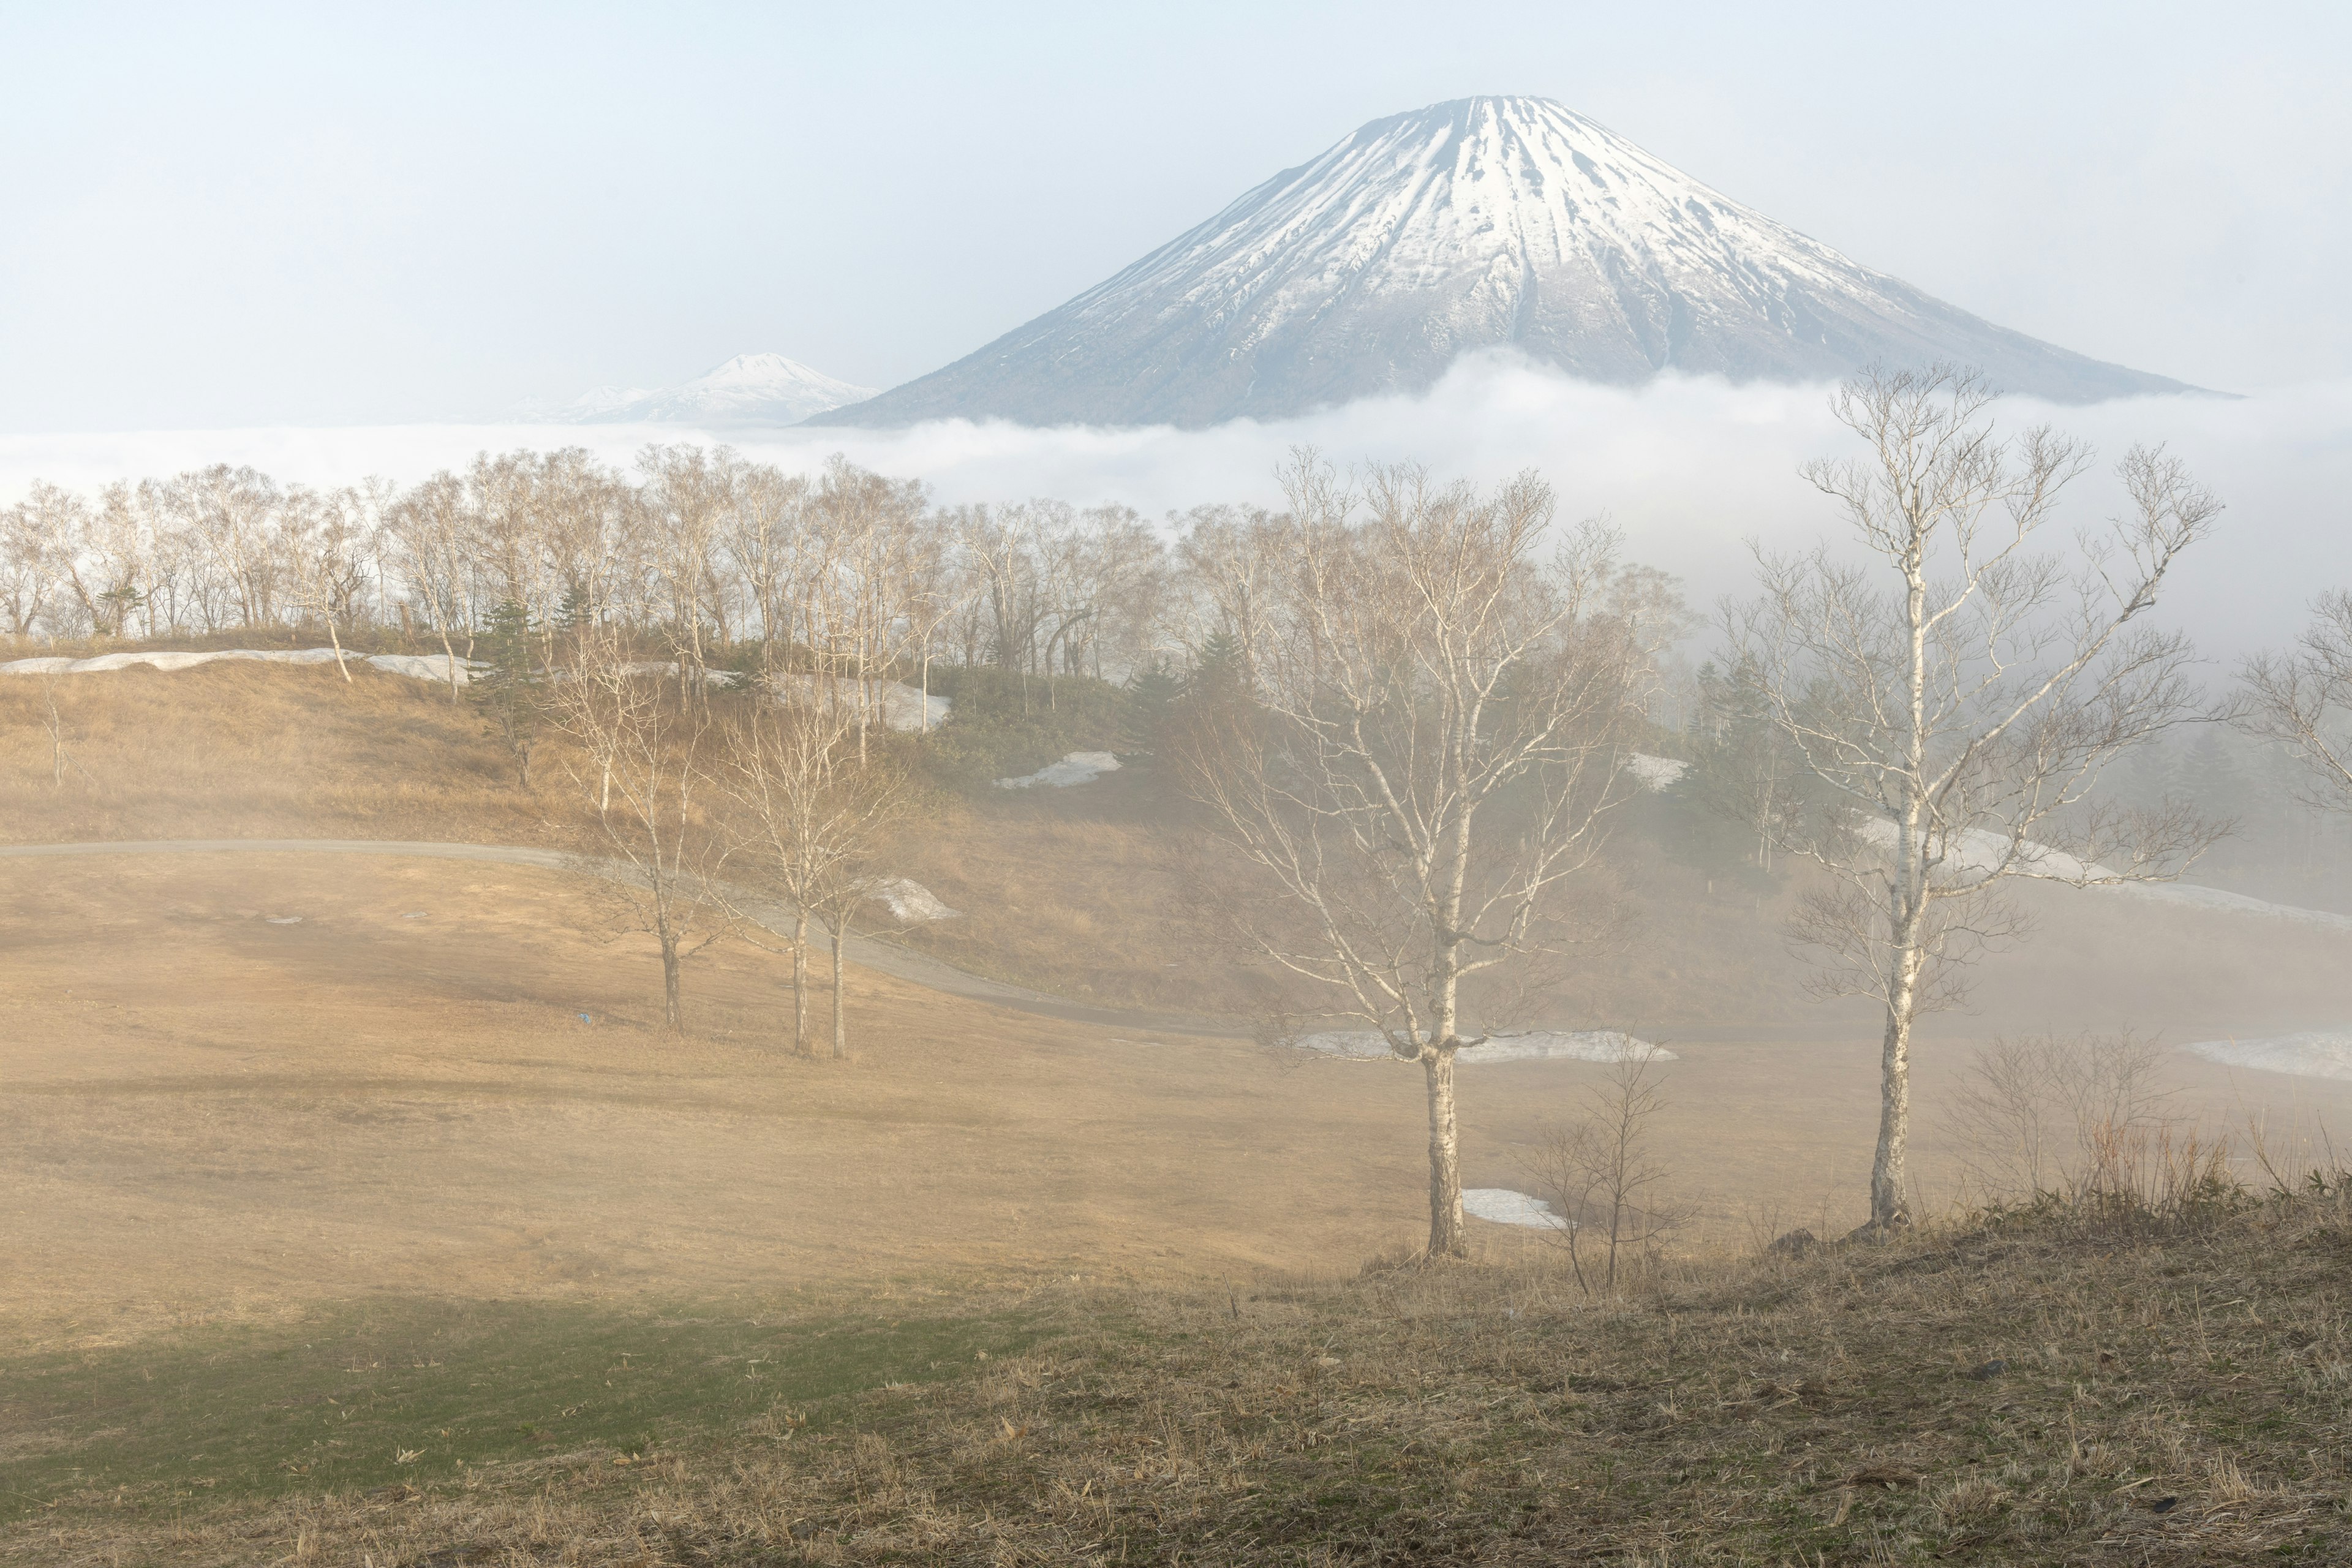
(2010, 1395)
(204, 1112)
(252, 751)
(1079, 890)
(1086, 891)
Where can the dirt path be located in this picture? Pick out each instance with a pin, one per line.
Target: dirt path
(871, 953)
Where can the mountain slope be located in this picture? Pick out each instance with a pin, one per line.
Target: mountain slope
(750, 389)
(1477, 223)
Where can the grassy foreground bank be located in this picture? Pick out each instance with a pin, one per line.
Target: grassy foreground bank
(2021, 1393)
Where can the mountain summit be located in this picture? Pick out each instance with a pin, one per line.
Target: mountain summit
(1468, 224)
(750, 389)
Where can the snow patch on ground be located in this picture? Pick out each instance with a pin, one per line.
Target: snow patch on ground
(424, 666)
(1978, 853)
(1536, 1045)
(1541, 1046)
(909, 901)
(1501, 1205)
(1654, 773)
(904, 708)
(1078, 768)
(2187, 895)
(2323, 1053)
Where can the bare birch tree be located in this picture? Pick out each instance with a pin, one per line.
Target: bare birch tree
(1432, 750)
(32, 564)
(326, 542)
(429, 527)
(782, 760)
(1959, 692)
(2302, 700)
(815, 821)
(642, 765)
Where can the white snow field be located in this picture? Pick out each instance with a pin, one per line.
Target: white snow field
(1501, 1205)
(1078, 768)
(1536, 1045)
(2321, 1053)
(424, 666)
(909, 901)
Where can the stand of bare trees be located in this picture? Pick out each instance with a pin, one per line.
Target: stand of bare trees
(642, 762)
(815, 822)
(1959, 697)
(1438, 711)
(848, 576)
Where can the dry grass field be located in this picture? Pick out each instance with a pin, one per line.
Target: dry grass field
(311, 1162)
(210, 1112)
(237, 750)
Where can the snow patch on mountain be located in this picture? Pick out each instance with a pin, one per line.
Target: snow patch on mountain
(750, 389)
(1482, 223)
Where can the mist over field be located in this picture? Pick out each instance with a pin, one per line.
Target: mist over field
(1689, 468)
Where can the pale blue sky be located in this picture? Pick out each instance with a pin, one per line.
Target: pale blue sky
(234, 215)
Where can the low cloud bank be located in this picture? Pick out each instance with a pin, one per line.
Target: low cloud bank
(1688, 468)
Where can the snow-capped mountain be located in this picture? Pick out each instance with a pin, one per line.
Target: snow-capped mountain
(750, 389)
(1477, 223)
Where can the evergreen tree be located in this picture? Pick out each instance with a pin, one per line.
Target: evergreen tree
(1221, 673)
(509, 691)
(1152, 693)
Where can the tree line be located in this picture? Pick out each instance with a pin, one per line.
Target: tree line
(698, 550)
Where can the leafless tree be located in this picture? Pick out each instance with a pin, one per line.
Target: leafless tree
(233, 514)
(429, 528)
(31, 563)
(1601, 1174)
(2302, 700)
(1959, 696)
(814, 821)
(328, 543)
(784, 762)
(107, 559)
(1230, 556)
(2036, 1114)
(641, 763)
(1432, 750)
(870, 811)
(688, 496)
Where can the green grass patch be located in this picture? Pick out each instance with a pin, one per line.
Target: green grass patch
(401, 1390)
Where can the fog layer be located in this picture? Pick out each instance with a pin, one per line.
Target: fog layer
(1689, 469)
